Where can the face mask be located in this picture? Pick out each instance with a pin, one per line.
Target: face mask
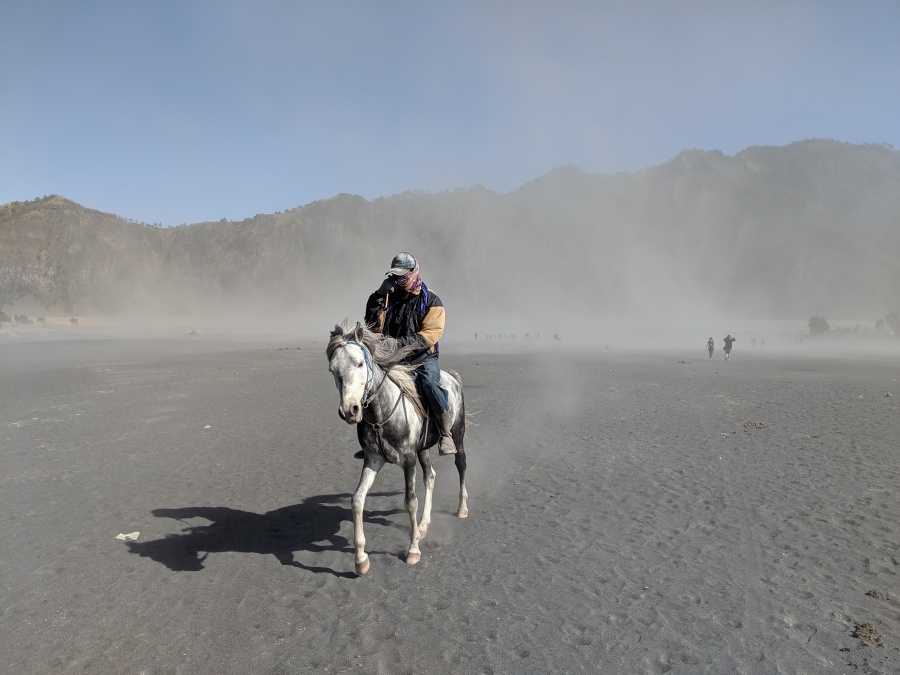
(410, 282)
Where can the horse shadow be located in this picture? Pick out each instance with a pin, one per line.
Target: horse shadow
(312, 525)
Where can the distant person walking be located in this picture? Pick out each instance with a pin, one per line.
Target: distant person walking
(710, 347)
(729, 340)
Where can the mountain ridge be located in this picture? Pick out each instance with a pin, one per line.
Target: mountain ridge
(779, 231)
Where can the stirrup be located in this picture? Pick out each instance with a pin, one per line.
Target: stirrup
(445, 441)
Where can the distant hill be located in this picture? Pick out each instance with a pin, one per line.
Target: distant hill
(772, 232)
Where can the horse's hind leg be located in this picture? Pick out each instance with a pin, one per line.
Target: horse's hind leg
(428, 475)
(459, 436)
(369, 471)
(460, 458)
(413, 555)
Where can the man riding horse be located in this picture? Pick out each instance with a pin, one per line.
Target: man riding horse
(407, 313)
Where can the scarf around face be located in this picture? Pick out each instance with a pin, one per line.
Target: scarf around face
(411, 282)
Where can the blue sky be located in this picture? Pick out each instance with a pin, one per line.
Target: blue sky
(188, 110)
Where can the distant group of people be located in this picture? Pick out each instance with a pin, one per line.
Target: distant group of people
(729, 341)
(511, 336)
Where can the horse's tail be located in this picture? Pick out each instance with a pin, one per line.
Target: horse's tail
(466, 422)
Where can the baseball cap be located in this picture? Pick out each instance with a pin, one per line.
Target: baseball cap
(402, 264)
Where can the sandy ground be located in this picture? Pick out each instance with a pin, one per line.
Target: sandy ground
(630, 513)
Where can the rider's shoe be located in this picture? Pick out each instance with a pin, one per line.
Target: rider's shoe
(444, 422)
(359, 454)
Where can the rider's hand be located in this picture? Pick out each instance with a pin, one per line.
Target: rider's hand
(388, 343)
(387, 286)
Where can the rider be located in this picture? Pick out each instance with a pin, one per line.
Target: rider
(405, 309)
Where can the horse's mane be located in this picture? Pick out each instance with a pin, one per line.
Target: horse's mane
(391, 361)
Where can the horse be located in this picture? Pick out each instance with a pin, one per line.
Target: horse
(378, 394)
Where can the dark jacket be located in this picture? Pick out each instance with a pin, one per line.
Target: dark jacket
(411, 319)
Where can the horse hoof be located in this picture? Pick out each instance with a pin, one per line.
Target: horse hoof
(413, 558)
(363, 567)
(462, 513)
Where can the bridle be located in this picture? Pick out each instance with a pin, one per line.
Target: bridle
(368, 396)
(370, 371)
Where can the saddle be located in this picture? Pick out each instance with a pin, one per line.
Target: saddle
(430, 416)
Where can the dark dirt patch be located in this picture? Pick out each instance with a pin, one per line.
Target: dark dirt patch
(866, 633)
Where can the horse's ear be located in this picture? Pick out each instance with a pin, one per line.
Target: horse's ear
(358, 331)
(337, 330)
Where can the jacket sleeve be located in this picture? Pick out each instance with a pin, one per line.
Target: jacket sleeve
(374, 316)
(432, 325)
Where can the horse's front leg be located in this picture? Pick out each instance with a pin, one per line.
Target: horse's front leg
(369, 471)
(413, 555)
(428, 475)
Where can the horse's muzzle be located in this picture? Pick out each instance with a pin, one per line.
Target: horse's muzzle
(352, 415)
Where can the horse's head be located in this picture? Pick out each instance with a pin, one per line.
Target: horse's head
(350, 364)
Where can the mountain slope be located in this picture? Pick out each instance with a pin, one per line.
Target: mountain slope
(783, 232)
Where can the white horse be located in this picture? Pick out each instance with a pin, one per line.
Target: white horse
(378, 394)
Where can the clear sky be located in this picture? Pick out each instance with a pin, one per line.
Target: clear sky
(178, 111)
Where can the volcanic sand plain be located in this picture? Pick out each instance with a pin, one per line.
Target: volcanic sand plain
(629, 513)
